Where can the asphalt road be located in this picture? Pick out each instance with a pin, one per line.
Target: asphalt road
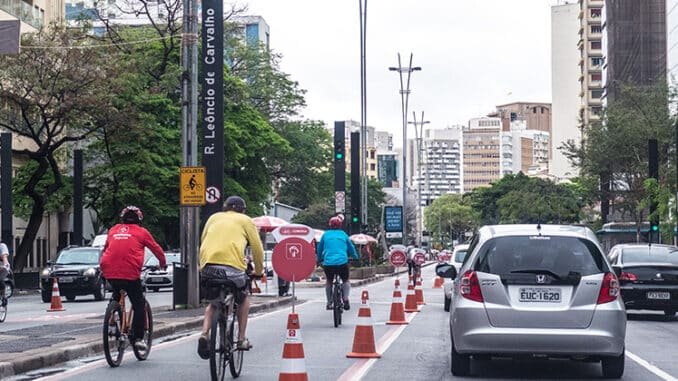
(418, 351)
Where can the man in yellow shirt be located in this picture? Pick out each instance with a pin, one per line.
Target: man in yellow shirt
(222, 256)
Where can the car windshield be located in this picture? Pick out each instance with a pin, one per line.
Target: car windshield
(459, 256)
(169, 257)
(561, 256)
(79, 257)
(650, 254)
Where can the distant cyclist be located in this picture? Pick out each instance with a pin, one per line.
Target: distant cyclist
(4, 269)
(225, 237)
(123, 260)
(333, 252)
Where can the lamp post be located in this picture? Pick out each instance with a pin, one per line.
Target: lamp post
(404, 99)
(418, 134)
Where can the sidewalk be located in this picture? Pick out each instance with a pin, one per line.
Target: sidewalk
(27, 349)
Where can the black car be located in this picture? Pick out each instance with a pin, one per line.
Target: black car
(78, 273)
(648, 276)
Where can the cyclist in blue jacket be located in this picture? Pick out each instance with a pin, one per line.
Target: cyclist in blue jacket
(333, 251)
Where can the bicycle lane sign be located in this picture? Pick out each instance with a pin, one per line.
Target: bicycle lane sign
(192, 186)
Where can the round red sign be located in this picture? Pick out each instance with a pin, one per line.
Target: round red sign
(419, 258)
(397, 258)
(293, 259)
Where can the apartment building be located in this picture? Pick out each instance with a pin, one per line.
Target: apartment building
(592, 61)
(33, 14)
(481, 152)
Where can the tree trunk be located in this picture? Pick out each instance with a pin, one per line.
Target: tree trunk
(31, 232)
(604, 196)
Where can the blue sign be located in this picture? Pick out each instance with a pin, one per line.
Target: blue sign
(393, 219)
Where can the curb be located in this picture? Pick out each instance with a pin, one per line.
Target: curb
(56, 356)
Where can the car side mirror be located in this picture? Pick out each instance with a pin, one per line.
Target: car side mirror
(445, 270)
(617, 270)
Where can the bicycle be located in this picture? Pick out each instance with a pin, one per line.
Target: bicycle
(223, 346)
(4, 288)
(337, 300)
(117, 329)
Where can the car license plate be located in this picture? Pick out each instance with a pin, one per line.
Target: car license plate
(152, 280)
(540, 295)
(658, 295)
(66, 279)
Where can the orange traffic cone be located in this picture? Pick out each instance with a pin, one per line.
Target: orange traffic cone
(397, 308)
(419, 292)
(56, 298)
(293, 365)
(363, 339)
(411, 300)
(438, 282)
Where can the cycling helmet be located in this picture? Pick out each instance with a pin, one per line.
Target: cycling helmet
(235, 203)
(131, 215)
(335, 222)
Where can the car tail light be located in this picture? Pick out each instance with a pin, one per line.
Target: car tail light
(629, 277)
(470, 287)
(609, 291)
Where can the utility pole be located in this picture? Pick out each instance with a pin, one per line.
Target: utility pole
(189, 215)
(404, 101)
(418, 133)
(363, 109)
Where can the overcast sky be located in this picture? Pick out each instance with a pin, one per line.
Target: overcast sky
(474, 54)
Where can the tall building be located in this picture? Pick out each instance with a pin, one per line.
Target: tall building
(537, 115)
(565, 86)
(524, 150)
(672, 40)
(441, 167)
(383, 140)
(387, 169)
(481, 152)
(636, 37)
(33, 14)
(592, 61)
(255, 29)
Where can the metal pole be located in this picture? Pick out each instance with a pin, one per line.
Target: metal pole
(363, 109)
(6, 194)
(77, 197)
(675, 233)
(189, 216)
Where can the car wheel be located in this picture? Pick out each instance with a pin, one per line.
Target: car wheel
(100, 293)
(460, 365)
(70, 298)
(46, 296)
(670, 313)
(613, 367)
(9, 290)
(448, 301)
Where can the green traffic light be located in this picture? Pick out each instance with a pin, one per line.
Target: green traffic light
(655, 228)
(340, 156)
(355, 219)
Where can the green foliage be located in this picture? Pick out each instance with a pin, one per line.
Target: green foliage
(449, 217)
(23, 205)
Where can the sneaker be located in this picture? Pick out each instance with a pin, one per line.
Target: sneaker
(203, 347)
(140, 345)
(346, 305)
(244, 345)
(329, 306)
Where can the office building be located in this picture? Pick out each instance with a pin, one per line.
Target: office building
(537, 115)
(33, 14)
(524, 150)
(441, 167)
(672, 40)
(387, 169)
(591, 61)
(481, 152)
(565, 86)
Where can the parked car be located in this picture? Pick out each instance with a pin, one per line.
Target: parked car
(78, 273)
(543, 291)
(648, 276)
(456, 260)
(155, 278)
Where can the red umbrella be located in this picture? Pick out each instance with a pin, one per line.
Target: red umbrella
(268, 223)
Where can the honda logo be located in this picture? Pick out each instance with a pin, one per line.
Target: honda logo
(541, 279)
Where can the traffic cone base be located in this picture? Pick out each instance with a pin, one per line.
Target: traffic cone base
(294, 365)
(438, 283)
(419, 293)
(56, 305)
(411, 300)
(363, 339)
(397, 316)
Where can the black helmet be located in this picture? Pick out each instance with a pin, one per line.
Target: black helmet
(235, 203)
(131, 215)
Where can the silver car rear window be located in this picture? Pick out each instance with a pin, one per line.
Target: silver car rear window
(562, 256)
(650, 254)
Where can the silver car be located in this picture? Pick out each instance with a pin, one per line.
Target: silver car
(457, 259)
(542, 291)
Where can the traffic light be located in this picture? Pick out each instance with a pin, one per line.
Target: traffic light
(339, 164)
(653, 173)
(355, 183)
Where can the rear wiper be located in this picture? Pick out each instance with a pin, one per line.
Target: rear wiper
(75, 263)
(536, 271)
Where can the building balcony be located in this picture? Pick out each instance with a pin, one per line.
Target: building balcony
(595, 85)
(596, 3)
(23, 11)
(595, 101)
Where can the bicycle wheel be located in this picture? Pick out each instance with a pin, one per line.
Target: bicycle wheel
(148, 334)
(337, 303)
(218, 351)
(3, 309)
(114, 346)
(235, 364)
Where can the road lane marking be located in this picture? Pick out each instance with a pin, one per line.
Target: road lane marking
(358, 370)
(645, 364)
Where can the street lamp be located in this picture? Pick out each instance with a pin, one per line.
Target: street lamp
(404, 99)
(418, 133)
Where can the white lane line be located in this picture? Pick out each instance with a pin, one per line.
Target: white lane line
(645, 364)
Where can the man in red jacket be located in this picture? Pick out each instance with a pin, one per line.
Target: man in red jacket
(122, 261)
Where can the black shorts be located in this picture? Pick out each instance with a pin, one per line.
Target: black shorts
(213, 294)
(331, 271)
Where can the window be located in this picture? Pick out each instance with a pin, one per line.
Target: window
(596, 29)
(596, 77)
(542, 110)
(596, 94)
(372, 154)
(596, 110)
(534, 110)
(373, 167)
(596, 13)
(596, 45)
(596, 61)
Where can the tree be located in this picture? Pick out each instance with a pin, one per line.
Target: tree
(55, 92)
(450, 216)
